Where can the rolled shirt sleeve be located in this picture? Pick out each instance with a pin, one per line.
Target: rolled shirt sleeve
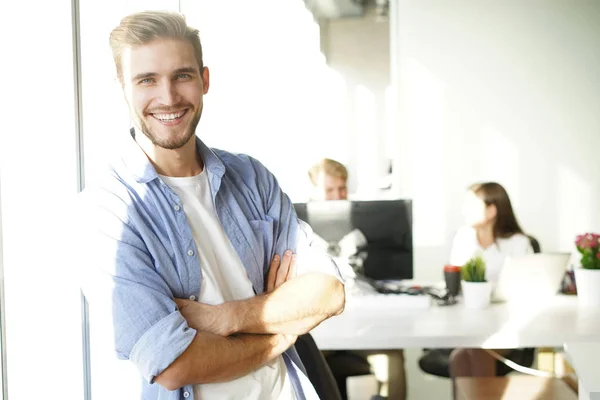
(312, 253)
(161, 344)
(126, 293)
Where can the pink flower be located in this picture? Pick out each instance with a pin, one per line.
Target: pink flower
(587, 241)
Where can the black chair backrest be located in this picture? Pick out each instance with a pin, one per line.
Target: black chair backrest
(317, 368)
(534, 244)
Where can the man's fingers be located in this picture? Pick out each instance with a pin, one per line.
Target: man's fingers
(271, 277)
(293, 267)
(284, 268)
(181, 302)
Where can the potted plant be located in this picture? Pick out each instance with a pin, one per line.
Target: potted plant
(587, 277)
(475, 288)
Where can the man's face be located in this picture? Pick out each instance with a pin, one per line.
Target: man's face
(164, 86)
(331, 187)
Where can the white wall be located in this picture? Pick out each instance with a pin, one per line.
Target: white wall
(505, 91)
(275, 96)
(359, 50)
(271, 92)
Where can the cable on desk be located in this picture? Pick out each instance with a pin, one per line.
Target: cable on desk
(520, 368)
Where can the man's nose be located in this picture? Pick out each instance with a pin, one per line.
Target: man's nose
(168, 93)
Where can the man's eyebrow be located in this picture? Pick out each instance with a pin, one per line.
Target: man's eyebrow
(189, 70)
(143, 75)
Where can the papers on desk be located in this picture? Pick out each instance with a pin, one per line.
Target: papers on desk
(388, 301)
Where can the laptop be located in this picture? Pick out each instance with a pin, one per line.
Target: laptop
(531, 278)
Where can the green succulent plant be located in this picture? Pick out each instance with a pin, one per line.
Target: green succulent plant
(474, 270)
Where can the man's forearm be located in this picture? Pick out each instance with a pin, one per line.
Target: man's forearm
(295, 307)
(211, 358)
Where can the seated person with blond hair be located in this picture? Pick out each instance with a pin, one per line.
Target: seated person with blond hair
(330, 182)
(329, 179)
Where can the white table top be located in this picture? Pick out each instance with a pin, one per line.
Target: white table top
(584, 359)
(503, 325)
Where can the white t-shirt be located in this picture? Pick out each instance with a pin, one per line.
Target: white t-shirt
(466, 246)
(224, 279)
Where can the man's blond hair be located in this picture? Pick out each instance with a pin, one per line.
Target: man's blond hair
(328, 167)
(144, 27)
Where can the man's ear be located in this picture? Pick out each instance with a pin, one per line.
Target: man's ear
(205, 80)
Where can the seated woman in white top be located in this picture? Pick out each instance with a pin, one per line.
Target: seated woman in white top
(492, 231)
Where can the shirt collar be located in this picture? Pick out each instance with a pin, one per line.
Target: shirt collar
(137, 162)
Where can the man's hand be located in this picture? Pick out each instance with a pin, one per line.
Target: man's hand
(206, 318)
(281, 270)
(289, 340)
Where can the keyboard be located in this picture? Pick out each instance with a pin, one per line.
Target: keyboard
(388, 301)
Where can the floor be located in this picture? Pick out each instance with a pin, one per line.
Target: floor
(421, 385)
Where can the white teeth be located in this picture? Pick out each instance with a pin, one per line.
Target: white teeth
(169, 117)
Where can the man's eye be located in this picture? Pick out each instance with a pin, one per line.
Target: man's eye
(146, 81)
(184, 76)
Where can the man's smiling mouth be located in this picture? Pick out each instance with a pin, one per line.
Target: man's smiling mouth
(169, 117)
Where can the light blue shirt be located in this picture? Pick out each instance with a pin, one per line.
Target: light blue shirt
(144, 254)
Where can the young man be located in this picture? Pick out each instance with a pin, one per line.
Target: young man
(196, 250)
(329, 179)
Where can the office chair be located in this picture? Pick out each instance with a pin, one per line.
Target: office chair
(437, 361)
(317, 369)
(535, 245)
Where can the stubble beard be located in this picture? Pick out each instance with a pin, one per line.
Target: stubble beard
(171, 143)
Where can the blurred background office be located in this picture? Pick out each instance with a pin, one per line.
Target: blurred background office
(441, 93)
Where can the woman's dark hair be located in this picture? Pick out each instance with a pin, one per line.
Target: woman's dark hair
(506, 223)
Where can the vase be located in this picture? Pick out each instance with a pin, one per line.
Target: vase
(476, 294)
(587, 282)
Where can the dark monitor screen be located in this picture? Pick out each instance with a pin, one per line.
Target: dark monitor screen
(387, 225)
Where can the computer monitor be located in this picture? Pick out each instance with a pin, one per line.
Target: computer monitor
(387, 225)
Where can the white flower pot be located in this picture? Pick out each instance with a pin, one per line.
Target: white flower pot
(476, 294)
(588, 287)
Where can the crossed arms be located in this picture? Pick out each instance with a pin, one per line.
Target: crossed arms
(237, 337)
(151, 328)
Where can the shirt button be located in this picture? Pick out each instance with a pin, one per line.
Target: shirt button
(190, 252)
(177, 208)
(192, 297)
(186, 394)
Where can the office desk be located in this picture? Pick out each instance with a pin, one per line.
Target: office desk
(551, 324)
